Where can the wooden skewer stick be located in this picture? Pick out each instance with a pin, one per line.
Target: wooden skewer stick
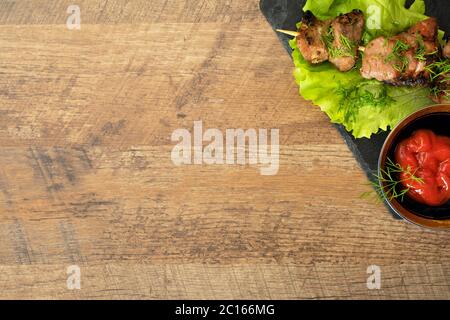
(288, 32)
(296, 34)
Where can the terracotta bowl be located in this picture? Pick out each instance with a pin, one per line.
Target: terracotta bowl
(437, 119)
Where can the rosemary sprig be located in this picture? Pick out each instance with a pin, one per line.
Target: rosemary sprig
(387, 184)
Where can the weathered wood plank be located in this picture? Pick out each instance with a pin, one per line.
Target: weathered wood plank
(243, 281)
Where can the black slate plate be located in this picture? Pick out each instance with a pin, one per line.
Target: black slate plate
(285, 14)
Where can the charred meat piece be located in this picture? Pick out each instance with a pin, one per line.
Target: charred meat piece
(335, 40)
(441, 89)
(440, 74)
(344, 38)
(427, 29)
(310, 40)
(403, 59)
(375, 63)
(447, 50)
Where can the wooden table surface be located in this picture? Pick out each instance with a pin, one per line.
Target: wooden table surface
(86, 176)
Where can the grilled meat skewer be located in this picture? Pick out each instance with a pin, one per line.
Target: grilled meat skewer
(310, 40)
(346, 32)
(402, 59)
(335, 40)
(410, 58)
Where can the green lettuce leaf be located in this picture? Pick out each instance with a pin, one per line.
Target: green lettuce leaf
(362, 106)
(418, 6)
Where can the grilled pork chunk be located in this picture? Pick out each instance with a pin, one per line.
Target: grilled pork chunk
(428, 29)
(443, 82)
(402, 59)
(442, 87)
(447, 50)
(310, 41)
(336, 40)
(346, 33)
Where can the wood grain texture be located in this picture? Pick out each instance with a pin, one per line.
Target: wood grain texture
(86, 176)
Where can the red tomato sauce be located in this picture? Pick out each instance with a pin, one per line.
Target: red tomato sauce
(427, 156)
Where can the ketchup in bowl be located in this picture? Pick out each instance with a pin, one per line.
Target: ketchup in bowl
(426, 156)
